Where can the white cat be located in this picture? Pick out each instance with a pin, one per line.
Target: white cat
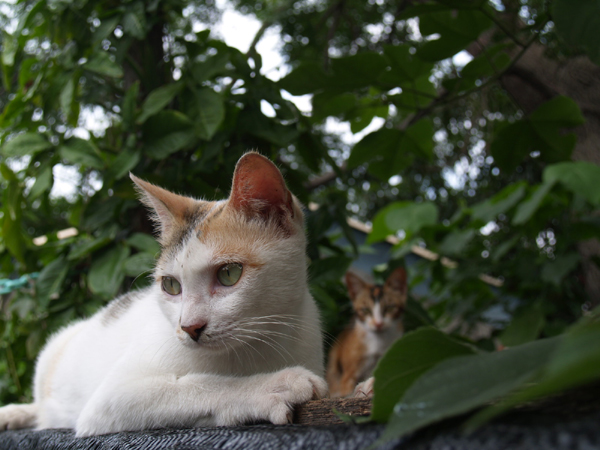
(227, 334)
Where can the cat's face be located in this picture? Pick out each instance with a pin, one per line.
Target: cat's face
(229, 271)
(378, 308)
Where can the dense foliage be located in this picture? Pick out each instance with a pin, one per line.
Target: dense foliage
(456, 165)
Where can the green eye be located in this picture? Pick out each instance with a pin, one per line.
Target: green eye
(229, 274)
(171, 286)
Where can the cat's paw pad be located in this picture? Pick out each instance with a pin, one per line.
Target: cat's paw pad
(290, 387)
(14, 417)
(364, 389)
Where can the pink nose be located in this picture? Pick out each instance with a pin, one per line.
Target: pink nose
(378, 326)
(195, 330)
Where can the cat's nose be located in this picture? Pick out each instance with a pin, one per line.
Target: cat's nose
(194, 331)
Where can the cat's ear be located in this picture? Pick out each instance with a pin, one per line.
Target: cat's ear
(355, 285)
(397, 280)
(170, 209)
(259, 189)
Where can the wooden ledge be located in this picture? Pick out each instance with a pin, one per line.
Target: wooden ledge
(322, 412)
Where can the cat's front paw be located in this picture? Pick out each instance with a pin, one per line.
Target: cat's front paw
(290, 387)
(14, 417)
(364, 389)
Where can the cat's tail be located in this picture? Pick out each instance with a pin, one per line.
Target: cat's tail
(15, 416)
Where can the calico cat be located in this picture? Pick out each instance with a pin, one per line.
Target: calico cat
(378, 323)
(227, 334)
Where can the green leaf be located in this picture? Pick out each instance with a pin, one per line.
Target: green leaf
(43, 182)
(158, 99)
(123, 163)
(129, 105)
(51, 279)
(404, 65)
(134, 21)
(525, 326)
(212, 66)
(531, 204)
(374, 146)
(490, 62)
(66, 97)
(139, 264)
(577, 22)
(405, 361)
(407, 216)
(460, 384)
(456, 29)
(106, 273)
(25, 144)
(144, 243)
(560, 111)
(455, 242)
(500, 203)
(332, 268)
(84, 247)
(210, 113)
(356, 71)
(327, 104)
(575, 362)
(307, 78)
(102, 64)
(167, 132)
(81, 151)
(555, 271)
(579, 177)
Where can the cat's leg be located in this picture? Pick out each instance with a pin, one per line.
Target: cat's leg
(197, 399)
(15, 416)
(364, 389)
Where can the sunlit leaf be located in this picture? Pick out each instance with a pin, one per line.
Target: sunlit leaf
(25, 144)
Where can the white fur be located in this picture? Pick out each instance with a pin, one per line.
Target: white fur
(377, 341)
(259, 355)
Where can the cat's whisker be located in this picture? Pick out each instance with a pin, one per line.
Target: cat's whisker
(272, 344)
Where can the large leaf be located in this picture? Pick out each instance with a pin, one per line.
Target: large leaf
(579, 177)
(499, 203)
(356, 71)
(554, 272)
(540, 131)
(531, 204)
(525, 326)
(43, 182)
(102, 64)
(50, 279)
(144, 243)
(458, 385)
(25, 144)
(578, 21)
(405, 361)
(307, 78)
(106, 273)
(167, 132)
(404, 65)
(407, 216)
(456, 30)
(575, 362)
(210, 113)
(81, 151)
(158, 99)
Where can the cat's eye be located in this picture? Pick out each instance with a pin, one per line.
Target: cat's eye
(229, 274)
(366, 311)
(171, 286)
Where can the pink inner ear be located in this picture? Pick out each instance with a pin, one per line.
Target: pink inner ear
(257, 178)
